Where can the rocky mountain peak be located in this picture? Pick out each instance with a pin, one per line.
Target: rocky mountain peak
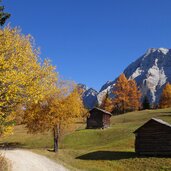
(89, 96)
(151, 72)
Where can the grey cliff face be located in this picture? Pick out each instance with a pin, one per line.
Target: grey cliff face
(151, 72)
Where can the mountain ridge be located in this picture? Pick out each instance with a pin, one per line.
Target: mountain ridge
(151, 71)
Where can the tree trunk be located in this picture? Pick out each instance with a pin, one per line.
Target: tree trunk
(123, 105)
(56, 130)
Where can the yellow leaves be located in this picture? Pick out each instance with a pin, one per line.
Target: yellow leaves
(6, 126)
(61, 107)
(23, 78)
(121, 94)
(165, 99)
(127, 95)
(7, 130)
(134, 96)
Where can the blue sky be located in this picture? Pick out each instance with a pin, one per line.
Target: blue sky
(92, 41)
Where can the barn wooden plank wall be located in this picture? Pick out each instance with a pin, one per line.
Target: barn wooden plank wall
(153, 138)
(98, 118)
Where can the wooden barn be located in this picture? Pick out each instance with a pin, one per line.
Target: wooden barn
(98, 118)
(153, 138)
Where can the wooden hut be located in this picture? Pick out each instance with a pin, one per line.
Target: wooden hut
(98, 118)
(153, 138)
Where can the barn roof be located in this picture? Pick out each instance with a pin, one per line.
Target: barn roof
(104, 111)
(156, 120)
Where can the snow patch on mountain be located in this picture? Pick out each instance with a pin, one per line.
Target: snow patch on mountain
(89, 96)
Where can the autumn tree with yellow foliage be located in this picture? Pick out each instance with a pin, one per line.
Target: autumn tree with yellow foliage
(24, 80)
(134, 96)
(29, 88)
(121, 90)
(126, 95)
(107, 103)
(165, 99)
(55, 112)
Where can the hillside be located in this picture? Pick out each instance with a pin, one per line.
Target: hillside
(99, 150)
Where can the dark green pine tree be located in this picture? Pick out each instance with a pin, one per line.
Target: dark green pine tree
(146, 103)
(3, 15)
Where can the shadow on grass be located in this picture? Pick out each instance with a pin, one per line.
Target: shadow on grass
(11, 145)
(166, 114)
(107, 155)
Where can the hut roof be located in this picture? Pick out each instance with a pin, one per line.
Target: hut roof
(156, 120)
(104, 111)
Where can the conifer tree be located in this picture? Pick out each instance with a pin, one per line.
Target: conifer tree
(121, 93)
(134, 96)
(146, 103)
(3, 15)
(165, 99)
(107, 103)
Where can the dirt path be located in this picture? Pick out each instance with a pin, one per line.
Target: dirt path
(23, 160)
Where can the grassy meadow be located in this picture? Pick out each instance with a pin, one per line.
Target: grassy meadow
(110, 149)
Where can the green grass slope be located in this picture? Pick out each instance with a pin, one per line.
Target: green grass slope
(110, 149)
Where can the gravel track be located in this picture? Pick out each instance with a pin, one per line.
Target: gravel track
(23, 160)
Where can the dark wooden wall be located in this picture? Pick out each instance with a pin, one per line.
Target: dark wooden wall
(98, 119)
(95, 120)
(154, 138)
(106, 120)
